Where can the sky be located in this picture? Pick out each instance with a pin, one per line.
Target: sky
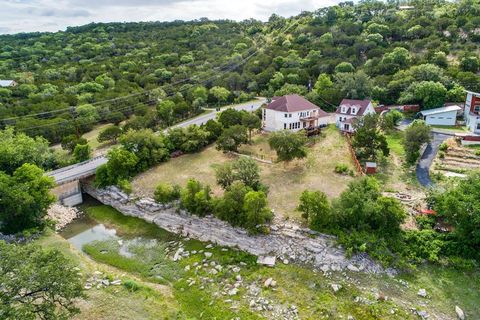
(53, 15)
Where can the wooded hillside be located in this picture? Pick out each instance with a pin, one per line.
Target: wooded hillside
(67, 81)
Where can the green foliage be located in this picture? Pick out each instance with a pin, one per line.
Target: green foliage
(341, 168)
(251, 121)
(256, 211)
(416, 134)
(149, 148)
(189, 139)
(131, 285)
(37, 283)
(429, 94)
(17, 149)
(443, 146)
(368, 141)
(71, 141)
(122, 164)
(390, 120)
(125, 186)
(459, 204)
(230, 117)
(82, 152)
(196, 198)
(110, 134)
(25, 198)
(315, 209)
(214, 129)
(230, 207)
(231, 138)
(288, 145)
(344, 67)
(166, 193)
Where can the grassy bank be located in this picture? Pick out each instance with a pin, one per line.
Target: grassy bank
(191, 289)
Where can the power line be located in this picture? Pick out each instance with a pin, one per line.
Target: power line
(243, 61)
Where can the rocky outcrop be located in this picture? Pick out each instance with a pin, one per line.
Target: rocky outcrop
(287, 242)
(61, 215)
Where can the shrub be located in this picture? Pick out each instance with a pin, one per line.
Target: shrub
(125, 186)
(315, 209)
(166, 193)
(441, 154)
(131, 285)
(196, 198)
(341, 168)
(82, 152)
(477, 153)
(443, 146)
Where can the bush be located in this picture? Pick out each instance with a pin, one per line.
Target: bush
(131, 285)
(441, 154)
(125, 186)
(341, 168)
(82, 152)
(477, 153)
(166, 193)
(443, 146)
(196, 198)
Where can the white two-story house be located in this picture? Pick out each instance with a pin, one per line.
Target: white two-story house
(349, 110)
(292, 112)
(472, 112)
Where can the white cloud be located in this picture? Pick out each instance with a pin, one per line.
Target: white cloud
(53, 15)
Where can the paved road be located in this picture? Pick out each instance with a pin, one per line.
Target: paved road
(88, 168)
(423, 166)
(248, 106)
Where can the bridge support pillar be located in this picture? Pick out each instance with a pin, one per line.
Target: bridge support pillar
(69, 194)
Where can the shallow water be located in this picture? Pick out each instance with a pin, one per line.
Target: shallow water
(96, 233)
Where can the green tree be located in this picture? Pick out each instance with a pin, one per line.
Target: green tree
(25, 198)
(251, 122)
(165, 112)
(428, 93)
(230, 207)
(214, 128)
(368, 140)
(225, 175)
(288, 145)
(220, 93)
(18, 148)
(459, 204)
(246, 170)
(196, 198)
(71, 141)
(230, 117)
(82, 152)
(256, 210)
(315, 209)
(121, 165)
(344, 67)
(110, 134)
(416, 134)
(149, 147)
(354, 85)
(232, 138)
(37, 283)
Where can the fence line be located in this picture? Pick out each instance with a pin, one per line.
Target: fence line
(357, 164)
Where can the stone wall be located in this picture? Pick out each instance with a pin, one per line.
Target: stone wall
(287, 242)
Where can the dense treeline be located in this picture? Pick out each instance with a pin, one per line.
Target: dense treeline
(371, 49)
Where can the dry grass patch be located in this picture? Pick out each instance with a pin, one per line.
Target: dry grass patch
(286, 181)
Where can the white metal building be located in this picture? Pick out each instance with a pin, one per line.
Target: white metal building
(444, 116)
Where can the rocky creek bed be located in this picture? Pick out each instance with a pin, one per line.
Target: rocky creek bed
(286, 242)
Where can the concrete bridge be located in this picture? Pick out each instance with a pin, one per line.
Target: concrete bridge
(68, 190)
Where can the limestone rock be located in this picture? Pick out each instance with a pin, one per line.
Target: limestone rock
(422, 293)
(460, 313)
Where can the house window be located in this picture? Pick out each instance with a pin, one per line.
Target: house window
(478, 126)
(289, 115)
(304, 124)
(290, 126)
(264, 114)
(477, 108)
(343, 110)
(284, 126)
(346, 126)
(354, 110)
(286, 115)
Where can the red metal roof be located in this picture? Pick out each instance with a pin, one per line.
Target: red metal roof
(294, 103)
